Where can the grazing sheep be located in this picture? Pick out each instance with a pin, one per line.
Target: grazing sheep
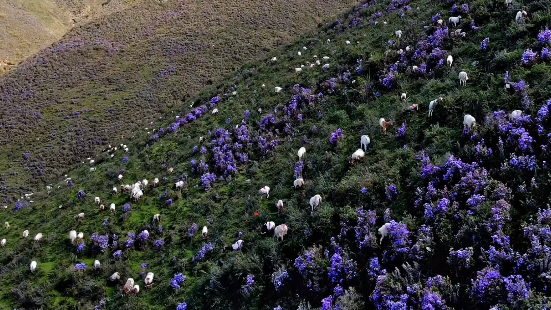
(149, 279)
(25, 233)
(356, 156)
(80, 236)
(269, 226)
(414, 68)
(114, 277)
(432, 104)
(274, 58)
(364, 142)
(33, 266)
(214, 111)
(136, 193)
(102, 207)
(112, 208)
(238, 245)
(439, 22)
(73, 236)
(7, 225)
(157, 217)
(413, 107)
(279, 206)
(79, 217)
(38, 237)
(155, 182)
(315, 202)
(449, 60)
(383, 231)
(298, 182)
(408, 49)
(120, 177)
(264, 191)
(298, 69)
(97, 264)
(463, 78)
(205, 231)
(384, 124)
(169, 170)
(114, 191)
(128, 287)
(301, 153)
(48, 188)
(508, 3)
(3, 243)
(514, 115)
(469, 121)
(299, 53)
(280, 231)
(398, 33)
(403, 97)
(179, 185)
(454, 20)
(520, 17)
(145, 182)
(278, 89)
(97, 200)
(347, 42)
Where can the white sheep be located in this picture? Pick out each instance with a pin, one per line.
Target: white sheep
(120, 177)
(205, 231)
(270, 225)
(280, 231)
(79, 216)
(299, 53)
(149, 279)
(102, 207)
(454, 20)
(115, 276)
(469, 121)
(279, 206)
(298, 69)
(157, 217)
(128, 287)
(277, 89)
(408, 49)
(403, 97)
(264, 191)
(112, 208)
(298, 182)
(301, 153)
(398, 33)
(179, 185)
(7, 225)
(521, 15)
(414, 68)
(25, 233)
(33, 266)
(155, 182)
(3, 243)
(92, 169)
(80, 236)
(383, 231)
(38, 237)
(73, 236)
(238, 245)
(514, 115)
(169, 170)
(214, 111)
(315, 202)
(347, 42)
(145, 182)
(97, 264)
(274, 58)
(358, 155)
(449, 60)
(364, 142)
(432, 104)
(463, 78)
(508, 2)
(114, 191)
(97, 200)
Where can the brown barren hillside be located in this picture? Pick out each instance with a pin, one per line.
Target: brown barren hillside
(116, 74)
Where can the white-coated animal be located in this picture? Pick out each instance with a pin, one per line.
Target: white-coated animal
(73, 236)
(515, 114)
(383, 231)
(7, 225)
(145, 182)
(157, 217)
(298, 69)
(115, 276)
(38, 237)
(264, 191)
(298, 182)
(33, 266)
(301, 153)
(112, 208)
(179, 184)
(80, 236)
(463, 78)
(364, 142)
(128, 287)
(414, 68)
(280, 231)
(358, 155)
(449, 60)
(398, 33)
(97, 264)
(277, 89)
(270, 225)
(97, 200)
(279, 206)
(404, 97)
(120, 177)
(149, 279)
(102, 207)
(238, 245)
(315, 202)
(384, 124)
(432, 104)
(114, 191)
(205, 231)
(274, 58)
(521, 15)
(454, 20)
(469, 121)
(79, 216)
(3, 243)
(155, 181)
(25, 233)
(214, 111)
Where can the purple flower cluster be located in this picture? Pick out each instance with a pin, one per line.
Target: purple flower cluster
(177, 281)
(248, 285)
(204, 250)
(401, 131)
(336, 136)
(484, 44)
(278, 277)
(80, 194)
(192, 230)
(391, 192)
(80, 267)
(528, 57)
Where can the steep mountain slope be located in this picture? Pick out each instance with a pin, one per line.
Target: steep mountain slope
(436, 215)
(29, 26)
(75, 97)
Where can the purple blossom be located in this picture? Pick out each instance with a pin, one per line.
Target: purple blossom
(80, 248)
(80, 267)
(126, 208)
(401, 131)
(177, 281)
(278, 277)
(529, 57)
(192, 230)
(182, 306)
(391, 192)
(544, 36)
(159, 244)
(117, 254)
(80, 194)
(204, 250)
(336, 136)
(484, 44)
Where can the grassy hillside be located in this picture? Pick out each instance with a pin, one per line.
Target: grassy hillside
(74, 98)
(466, 211)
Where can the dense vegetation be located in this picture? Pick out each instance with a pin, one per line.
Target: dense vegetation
(73, 98)
(466, 209)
